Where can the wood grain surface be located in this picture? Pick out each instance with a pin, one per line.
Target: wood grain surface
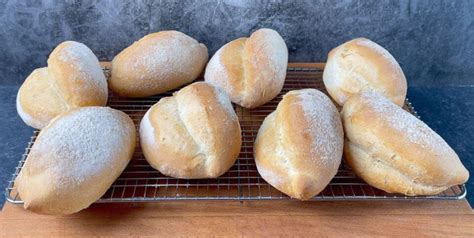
(251, 218)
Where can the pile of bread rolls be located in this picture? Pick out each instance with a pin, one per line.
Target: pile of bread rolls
(83, 146)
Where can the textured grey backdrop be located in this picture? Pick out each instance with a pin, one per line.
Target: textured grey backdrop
(432, 40)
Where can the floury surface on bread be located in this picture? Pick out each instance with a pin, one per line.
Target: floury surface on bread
(157, 63)
(363, 65)
(394, 151)
(72, 79)
(193, 134)
(75, 159)
(250, 70)
(299, 146)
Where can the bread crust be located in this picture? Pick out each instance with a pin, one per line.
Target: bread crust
(77, 75)
(250, 70)
(72, 79)
(363, 65)
(394, 151)
(157, 63)
(299, 146)
(42, 101)
(193, 134)
(75, 159)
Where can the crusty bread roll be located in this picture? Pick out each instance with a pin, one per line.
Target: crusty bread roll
(394, 151)
(75, 159)
(363, 65)
(72, 79)
(193, 134)
(157, 63)
(299, 146)
(250, 70)
(40, 100)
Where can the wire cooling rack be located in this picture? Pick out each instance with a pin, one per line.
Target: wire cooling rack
(140, 182)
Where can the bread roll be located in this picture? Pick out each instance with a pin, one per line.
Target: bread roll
(72, 79)
(298, 148)
(394, 151)
(75, 159)
(250, 70)
(363, 65)
(193, 134)
(41, 101)
(157, 63)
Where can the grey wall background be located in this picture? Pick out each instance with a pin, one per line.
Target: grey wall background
(433, 40)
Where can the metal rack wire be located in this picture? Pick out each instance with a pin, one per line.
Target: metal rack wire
(141, 183)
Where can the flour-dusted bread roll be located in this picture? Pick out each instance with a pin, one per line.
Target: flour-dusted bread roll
(394, 151)
(363, 65)
(250, 70)
(72, 79)
(193, 134)
(75, 159)
(157, 63)
(299, 146)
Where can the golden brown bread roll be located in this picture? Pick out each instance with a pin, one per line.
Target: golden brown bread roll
(299, 146)
(363, 65)
(41, 101)
(75, 159)
(72, 79)
(157, 63)
(250, 70)
(193, 134)
(394, 151)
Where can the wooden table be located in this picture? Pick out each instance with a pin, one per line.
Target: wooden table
(252, 218)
